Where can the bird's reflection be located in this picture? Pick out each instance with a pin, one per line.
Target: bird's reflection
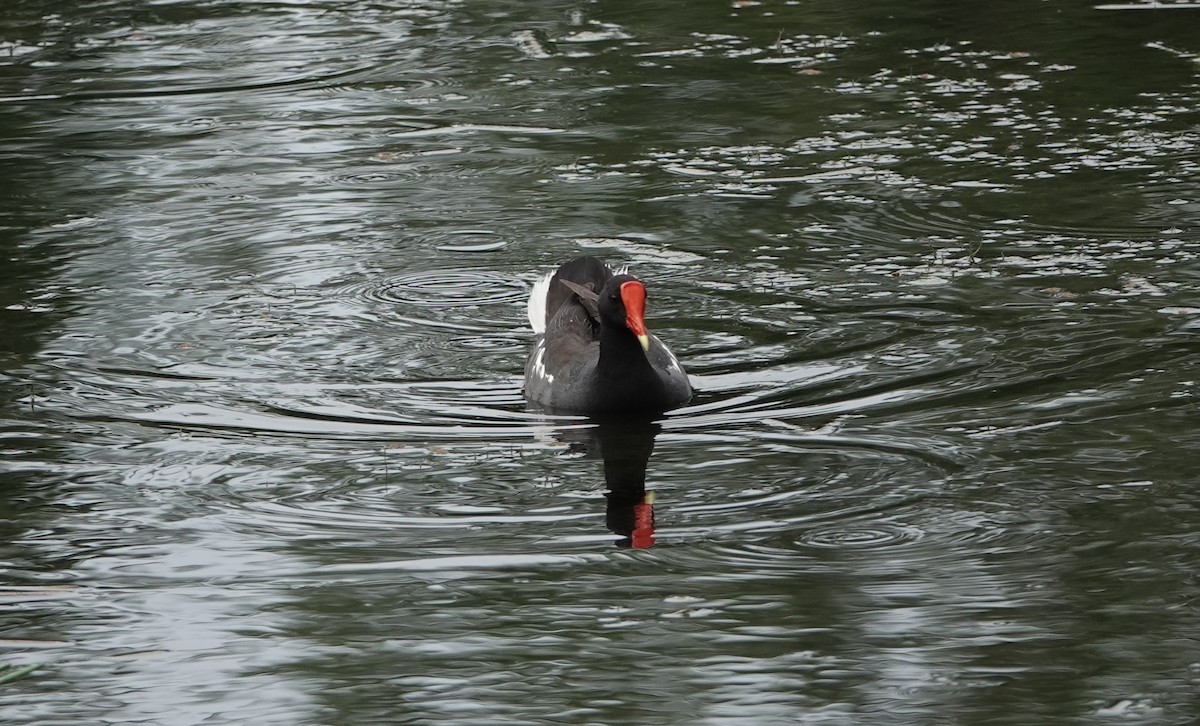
(624, 445)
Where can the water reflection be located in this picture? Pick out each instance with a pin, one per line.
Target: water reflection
(624, 445)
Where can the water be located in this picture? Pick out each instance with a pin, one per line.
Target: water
(266, 459)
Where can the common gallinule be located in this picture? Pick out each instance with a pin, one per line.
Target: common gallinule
(593, 354)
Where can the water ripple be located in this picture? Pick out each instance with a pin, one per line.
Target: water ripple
(265, 332)
(862, 537)
(449, 288)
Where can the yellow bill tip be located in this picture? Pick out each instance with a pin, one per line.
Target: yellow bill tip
(645, 341)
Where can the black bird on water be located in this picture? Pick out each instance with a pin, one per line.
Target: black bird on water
(593, 354)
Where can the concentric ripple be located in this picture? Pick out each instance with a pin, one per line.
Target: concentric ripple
(450, 288)
(862, 537)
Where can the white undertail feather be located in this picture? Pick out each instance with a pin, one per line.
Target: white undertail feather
(537, 304)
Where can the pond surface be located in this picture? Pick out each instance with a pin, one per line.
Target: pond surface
(933, 270)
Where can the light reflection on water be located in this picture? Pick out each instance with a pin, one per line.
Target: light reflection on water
(266, 456)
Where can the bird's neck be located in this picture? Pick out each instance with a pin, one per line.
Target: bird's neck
(621, 352)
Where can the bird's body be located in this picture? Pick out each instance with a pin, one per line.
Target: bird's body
(593, 354)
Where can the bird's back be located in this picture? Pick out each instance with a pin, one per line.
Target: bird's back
(586, 272)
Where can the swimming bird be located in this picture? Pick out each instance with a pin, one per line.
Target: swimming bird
(593, 354)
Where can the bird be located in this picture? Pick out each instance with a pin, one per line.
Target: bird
(593, 354)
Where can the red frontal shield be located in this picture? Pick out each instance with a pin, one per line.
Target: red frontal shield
(633, 295)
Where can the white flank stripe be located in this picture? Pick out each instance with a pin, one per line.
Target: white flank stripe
(539, 364)
(673, 362)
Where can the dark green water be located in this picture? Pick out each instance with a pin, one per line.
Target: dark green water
(933, 267)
